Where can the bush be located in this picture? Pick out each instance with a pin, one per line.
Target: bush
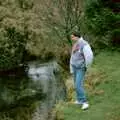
(11, 48)
(100, 21)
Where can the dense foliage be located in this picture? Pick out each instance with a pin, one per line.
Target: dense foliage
(43, 28)
(39, 27)
(24, 27)
(12, 34)
(101, 20)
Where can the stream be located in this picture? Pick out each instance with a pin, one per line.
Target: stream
(30, 92)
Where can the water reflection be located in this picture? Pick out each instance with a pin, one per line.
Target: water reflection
(33, 88)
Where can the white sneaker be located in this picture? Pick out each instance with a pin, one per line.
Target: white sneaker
(77, 102)
(85, 106)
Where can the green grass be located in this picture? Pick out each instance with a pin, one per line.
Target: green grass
(103, 90)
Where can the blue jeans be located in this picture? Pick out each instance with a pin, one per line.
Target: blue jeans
(79, 75)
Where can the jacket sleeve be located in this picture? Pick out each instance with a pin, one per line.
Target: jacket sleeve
(88, 55)
(71, 69)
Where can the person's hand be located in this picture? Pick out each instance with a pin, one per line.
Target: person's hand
(85, 69)
(71, 72)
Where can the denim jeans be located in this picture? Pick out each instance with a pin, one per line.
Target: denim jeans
(79, 75)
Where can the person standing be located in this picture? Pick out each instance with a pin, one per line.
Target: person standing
(81, 59)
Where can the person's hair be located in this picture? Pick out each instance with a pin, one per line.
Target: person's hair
(76, 34)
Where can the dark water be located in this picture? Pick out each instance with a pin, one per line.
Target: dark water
(30, 92)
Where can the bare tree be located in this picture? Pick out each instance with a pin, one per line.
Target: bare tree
(62, 16)
(72, 13)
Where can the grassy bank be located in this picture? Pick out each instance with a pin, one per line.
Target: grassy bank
(103, 91)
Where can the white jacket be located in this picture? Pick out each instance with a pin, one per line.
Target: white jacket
(87, 52)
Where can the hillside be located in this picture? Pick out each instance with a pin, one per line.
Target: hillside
(102, 83)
